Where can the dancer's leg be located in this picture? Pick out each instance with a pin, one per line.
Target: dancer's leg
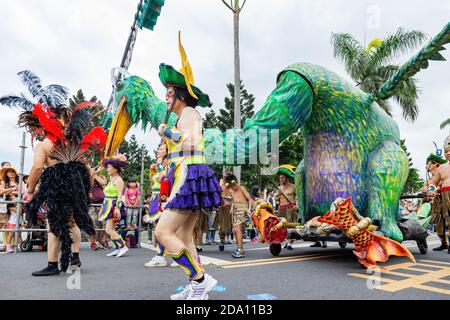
(166, 234)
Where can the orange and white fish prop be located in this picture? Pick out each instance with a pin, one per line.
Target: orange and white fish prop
(370, 248)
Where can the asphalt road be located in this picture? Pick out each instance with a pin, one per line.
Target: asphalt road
(301, 274)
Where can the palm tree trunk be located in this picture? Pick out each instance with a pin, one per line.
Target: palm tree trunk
(237, 82)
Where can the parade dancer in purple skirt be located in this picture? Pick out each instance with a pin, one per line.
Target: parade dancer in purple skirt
(195, 185)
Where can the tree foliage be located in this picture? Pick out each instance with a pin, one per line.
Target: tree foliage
(224, 120)
(370, 67)
(135, 154)
(414, 182)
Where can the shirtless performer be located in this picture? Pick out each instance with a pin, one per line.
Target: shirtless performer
(223, 219)
(288, 207)
(433, 163)
(441, 204)
(241, 202)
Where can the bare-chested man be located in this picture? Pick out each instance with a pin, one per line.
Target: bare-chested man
(241, 202)
(441, 203)
(288, 207)
(433, 163)
(223, 219)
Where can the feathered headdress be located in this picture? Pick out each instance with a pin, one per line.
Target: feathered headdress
(74, 139)
(68, 129)
(54, 96)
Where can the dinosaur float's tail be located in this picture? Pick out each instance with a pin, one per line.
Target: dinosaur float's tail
(417, 62)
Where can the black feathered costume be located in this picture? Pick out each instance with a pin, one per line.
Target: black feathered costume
(64, 187)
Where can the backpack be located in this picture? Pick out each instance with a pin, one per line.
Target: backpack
(131, 241)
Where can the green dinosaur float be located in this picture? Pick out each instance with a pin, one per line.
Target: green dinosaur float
(352, 147)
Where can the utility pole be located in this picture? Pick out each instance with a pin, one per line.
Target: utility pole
(236, 8)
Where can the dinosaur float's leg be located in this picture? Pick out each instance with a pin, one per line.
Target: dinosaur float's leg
(299, 179)
(387, 171)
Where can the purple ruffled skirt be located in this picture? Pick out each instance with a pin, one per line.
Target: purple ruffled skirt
(201, 190)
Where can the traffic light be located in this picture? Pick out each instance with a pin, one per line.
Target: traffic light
(148, 13)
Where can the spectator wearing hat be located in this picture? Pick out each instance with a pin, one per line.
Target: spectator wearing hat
(5, 164)
(9, 185)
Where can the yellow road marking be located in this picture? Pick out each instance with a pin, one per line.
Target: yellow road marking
(428, 265)
(270, 259)
(411, 280)
(420, 270)
(404, 265)
(438, 262)
(433, 289)
(365, 276)
(400, 274)
(442, 281)
(231, 266)
(415, 280)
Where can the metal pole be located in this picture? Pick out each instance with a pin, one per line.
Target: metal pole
(237, 82)
(128, 52)
(19, 204)
(141, 201)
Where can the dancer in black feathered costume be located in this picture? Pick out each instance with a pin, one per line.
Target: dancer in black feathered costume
(65, 182)
(65, 185)
(65, 189)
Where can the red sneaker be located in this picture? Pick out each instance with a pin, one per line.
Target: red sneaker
(94, 246)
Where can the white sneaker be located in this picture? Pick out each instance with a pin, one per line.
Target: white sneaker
(114, 253)
(122, 251)
(199, 291)
(156, 262)
(174, 265)
(183, 294)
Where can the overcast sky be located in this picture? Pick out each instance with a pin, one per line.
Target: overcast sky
(76, 43)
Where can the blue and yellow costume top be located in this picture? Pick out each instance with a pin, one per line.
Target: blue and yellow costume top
(110, 203)
(174, 140)
(154, 212)
(194, 184)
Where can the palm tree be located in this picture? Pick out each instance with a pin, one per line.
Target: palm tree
(445, 124)
(97, 110)
(370, 67)
(53, 95)
(236, 8)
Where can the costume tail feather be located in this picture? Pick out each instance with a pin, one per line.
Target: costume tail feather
(379, 249)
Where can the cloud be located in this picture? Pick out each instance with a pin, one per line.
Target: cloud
(76, 43)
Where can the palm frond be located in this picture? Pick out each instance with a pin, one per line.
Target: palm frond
(410, 109)
(398, 43)
(445, 124)
(17, 102)
(351, 53)
(56, 95)
(33, 83)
